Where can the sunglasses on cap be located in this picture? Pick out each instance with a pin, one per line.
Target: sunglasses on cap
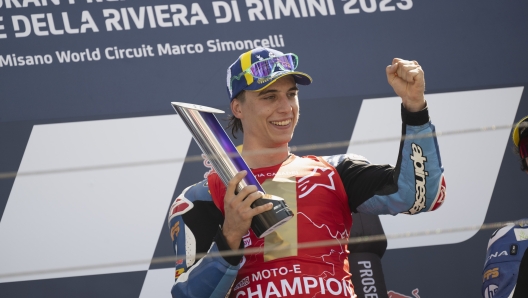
(267, 67)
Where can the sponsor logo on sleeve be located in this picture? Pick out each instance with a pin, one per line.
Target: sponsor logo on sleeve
(521, 234)
(179, 272)
(247, 239)
(490, 291)
(497, 254)
(491, 273)
(247, 242)
(420, 175)
(175, 230)
(367, 279)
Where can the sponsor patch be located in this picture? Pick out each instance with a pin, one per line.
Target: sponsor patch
(175, 230)
(247, 241)
(497, 254)
(490, 291)
(179, 272)
(491, 273)
(521, 234)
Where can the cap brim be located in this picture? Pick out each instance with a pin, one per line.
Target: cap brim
(261, 84)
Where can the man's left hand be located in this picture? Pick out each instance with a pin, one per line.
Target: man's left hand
(407, 79)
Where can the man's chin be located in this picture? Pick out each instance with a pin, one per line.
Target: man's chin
(282, 140)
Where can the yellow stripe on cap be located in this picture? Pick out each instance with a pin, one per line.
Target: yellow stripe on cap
(515, 135)
(245, 63)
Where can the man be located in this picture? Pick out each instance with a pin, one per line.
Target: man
(321, 191)
(505, 273)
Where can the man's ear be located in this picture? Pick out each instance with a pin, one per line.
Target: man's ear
(236, 108)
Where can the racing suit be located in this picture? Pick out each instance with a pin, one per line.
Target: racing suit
(322, 192)
(505, 273)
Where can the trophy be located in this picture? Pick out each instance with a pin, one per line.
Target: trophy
(216, 145)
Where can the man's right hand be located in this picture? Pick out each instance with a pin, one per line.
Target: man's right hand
(238, 211)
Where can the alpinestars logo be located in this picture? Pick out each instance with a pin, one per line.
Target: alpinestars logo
(318, 177)
(420, 175)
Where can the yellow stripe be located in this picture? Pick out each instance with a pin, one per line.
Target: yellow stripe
(282, 242)
(515, 135)
(245, 62)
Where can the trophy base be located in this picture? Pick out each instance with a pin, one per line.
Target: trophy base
(274, 227)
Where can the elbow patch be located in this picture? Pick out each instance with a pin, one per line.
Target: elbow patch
(440, 196)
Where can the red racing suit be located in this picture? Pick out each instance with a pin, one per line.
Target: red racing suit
(311, 188)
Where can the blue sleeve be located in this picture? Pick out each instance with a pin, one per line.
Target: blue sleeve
(197, 240)
(416, 184)
(506, 249)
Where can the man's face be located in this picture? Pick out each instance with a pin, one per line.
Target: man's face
(269, 116)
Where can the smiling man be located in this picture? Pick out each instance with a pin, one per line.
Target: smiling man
(210, 217)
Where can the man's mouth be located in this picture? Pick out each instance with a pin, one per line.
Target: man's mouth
(281, 123)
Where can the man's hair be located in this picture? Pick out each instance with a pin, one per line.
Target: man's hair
(234, 123)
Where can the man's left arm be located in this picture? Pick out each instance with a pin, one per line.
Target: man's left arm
(416, 183)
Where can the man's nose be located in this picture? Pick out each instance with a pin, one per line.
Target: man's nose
(284, 104)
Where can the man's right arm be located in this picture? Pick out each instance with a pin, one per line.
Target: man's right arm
(194, 222)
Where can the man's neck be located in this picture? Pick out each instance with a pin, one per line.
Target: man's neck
(264, 157)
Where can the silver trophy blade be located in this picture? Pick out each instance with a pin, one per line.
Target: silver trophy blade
(227, 162)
